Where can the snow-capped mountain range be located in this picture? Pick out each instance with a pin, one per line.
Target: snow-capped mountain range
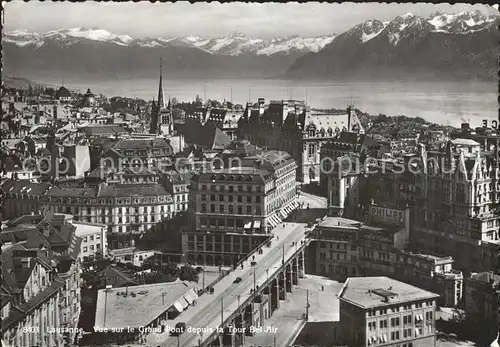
(463, 23)
(234, 44)
(465, 43)
(452, 44)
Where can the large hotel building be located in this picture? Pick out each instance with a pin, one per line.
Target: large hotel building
(233, 210)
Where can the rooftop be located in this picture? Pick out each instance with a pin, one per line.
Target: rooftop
(84, 229)
(331, 222)
(464, 142)
(141, 306)
(371, 292)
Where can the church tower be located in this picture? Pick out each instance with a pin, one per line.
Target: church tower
(161, 116)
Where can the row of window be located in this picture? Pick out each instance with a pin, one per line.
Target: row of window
(222, 222)
(230, 198)
(223, 188)
(406, 307)
(97, 247)
(239, 209)
(91, 238)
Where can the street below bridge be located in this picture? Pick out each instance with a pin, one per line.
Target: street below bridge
(212, 309)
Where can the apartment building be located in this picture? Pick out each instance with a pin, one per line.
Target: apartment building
(453, 213)
(21, 197)
(128, 210)
(348, 248)
(233, 210)
(94, 240)
(381, 311)
(481, 302)
(41, 288)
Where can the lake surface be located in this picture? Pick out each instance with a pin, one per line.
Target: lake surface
(449, 103)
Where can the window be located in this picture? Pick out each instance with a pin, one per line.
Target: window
(249, 209)
(85, 249)
(212, 208)
(230, 198)
(221, 208)
(240, 209)
(203, 197)
(311, 149)
(372, 326)
(406, 333)
(240, 198)
(428, 315)
(212, 197)
(383, 323)
(257, 199)
(231, 209)
(394, 322)
(203, 208)
(407, 319)
(221, 197)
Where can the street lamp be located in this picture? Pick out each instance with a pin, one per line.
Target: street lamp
(267, 273)
(307, 304)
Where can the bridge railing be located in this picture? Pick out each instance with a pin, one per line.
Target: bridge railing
(252, 296)
(236, 265)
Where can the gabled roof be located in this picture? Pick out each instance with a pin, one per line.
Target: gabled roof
(63, 92)
(219, 140)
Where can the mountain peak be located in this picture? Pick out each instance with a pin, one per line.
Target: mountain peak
(236, 34)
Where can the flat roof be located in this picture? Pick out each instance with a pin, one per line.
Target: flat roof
(83, 230)
(149, 302)
(371, 292)
(339, 222)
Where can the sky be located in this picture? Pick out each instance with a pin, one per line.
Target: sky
(145, 19)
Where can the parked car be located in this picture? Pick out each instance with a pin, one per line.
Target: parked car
(237, 280)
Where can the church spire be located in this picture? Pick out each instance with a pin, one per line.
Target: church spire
(161, 99)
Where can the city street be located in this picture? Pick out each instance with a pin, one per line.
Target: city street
(288, 320)
(207, 314)
(314, 201)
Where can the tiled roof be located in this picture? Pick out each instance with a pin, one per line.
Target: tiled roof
(136, 190)
(124, 144)
(103, 129)
(72, 192)
(25, 219)
(63, 92)
(25, 187)
(241, 175)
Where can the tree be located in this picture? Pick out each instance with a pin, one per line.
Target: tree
(174, 101)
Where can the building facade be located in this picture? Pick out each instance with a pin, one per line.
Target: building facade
(94, 239)
(296, 128)
(41, 288)
(382, 311)
(481, 302)
(453, 212)
(22, 197)
(348, 248)
(233, 210)
(128, 211)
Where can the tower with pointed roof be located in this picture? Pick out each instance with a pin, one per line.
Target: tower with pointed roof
(161, 116)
